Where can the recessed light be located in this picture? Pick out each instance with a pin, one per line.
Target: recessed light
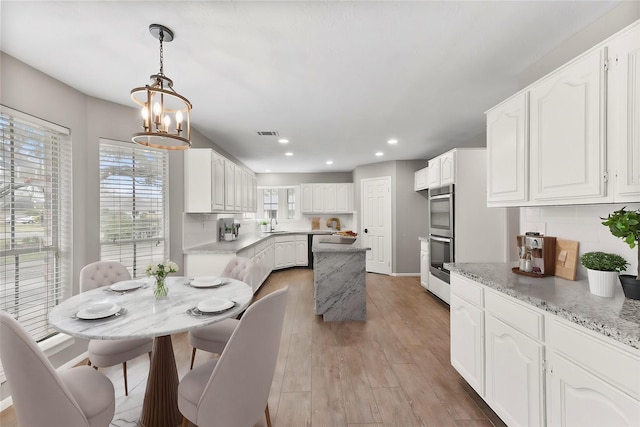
(329, 162)
(288, 153)
(283, 141)
(392, 141)
(379, 153)
(268, 170)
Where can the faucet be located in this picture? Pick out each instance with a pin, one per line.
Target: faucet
(271, 223)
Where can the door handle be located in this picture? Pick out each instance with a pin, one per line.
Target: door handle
(366, 230)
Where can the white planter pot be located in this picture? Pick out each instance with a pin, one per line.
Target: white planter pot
(264, 227)
(603, 283)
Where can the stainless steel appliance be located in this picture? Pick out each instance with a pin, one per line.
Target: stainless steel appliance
(441, 206)
(440, 252)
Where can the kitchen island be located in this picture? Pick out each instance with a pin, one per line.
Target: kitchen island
(339, 281)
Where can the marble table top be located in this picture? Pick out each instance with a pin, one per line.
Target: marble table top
(146, 316)
(617, 317)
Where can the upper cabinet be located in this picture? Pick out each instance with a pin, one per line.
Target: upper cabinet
(508, 152)
(327, 198)
(442, 170)
(567, 148)
(573, 136)
(213, 183)
(420, 179)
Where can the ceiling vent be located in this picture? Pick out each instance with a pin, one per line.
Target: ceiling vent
(268, 132)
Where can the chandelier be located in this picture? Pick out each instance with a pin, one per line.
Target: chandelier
(164, 110)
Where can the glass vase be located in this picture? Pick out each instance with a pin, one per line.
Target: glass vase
(161, 290)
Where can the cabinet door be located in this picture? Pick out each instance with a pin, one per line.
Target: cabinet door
(448, 168)
(567, 141)
(625, 114)
(317, 198)
(420, 179)
(329, 197)
(197, 180)
(424, 269)
(280, 256)
(433, 173)
(302, 254)
(307, 198)
(344, 197)
(508, 153)
(217, 185)
(229, 185)
(514, 376)
(577, 398)
(238, 190)
(467, 346)
(253, 195)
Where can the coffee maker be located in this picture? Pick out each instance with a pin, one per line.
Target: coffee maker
(228, 229)
(537, 254)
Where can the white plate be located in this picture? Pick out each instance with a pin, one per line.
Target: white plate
(98, 310)
(127, 285)
(206, 282)
(214, 305)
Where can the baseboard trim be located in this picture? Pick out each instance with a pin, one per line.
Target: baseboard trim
(405, 274)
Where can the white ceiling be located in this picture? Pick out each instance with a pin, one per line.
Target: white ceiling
(335, 78)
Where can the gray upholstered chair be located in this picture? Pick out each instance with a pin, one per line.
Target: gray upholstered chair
(213, 338)
(77, 397)
(232, 391)
(103, 353)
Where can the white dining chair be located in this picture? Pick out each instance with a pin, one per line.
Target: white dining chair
(214, 337)
(104, 353)
(232, 391)
(42, 397)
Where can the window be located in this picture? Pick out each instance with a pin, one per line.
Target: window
(35, 209)
(277, 202)
(134, 208)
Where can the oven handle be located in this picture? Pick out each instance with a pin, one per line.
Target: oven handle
(440, 239)
(442, 196)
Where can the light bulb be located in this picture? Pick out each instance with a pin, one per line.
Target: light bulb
(179, 116)
(157, 109)
(167, 122)
(145, 113)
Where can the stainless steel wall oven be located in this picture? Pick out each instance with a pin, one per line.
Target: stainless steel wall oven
(441, 230)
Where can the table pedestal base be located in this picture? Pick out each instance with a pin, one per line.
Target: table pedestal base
(160, 407)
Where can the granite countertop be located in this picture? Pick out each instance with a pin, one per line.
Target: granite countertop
(243, 242)
(617, 317)
(356, 246)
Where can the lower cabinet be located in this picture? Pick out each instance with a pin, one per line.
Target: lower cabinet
(514, 376)
(424, 264)
(302, 250)
(290, 251)
(537, 368)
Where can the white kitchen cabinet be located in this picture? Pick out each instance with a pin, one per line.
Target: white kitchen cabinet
(448, 168)
(625, 113)
(467, 342)
(420, 179)
(326, 198)
(508, 152)
(567, 139)
(424, 264)
(217, 198)
(237, 204)
(514, 374)
(433, 173)
(302, 250)
(591, 380)
(284, 252)
(229, 185)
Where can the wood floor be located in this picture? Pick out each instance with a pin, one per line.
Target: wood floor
(392, 370)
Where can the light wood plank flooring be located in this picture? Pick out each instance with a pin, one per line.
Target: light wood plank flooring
(392, 370)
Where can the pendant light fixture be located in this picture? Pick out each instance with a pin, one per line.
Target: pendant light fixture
(165, 113)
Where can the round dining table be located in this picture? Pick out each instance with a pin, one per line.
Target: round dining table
(140, 315)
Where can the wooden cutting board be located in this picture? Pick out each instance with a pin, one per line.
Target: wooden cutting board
(566, 258)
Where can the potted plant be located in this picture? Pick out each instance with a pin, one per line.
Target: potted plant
(603, 269)
(264, 225)
(626, 225)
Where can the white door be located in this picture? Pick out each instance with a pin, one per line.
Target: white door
(376, 223)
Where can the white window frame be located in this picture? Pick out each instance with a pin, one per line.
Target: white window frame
(146, 241)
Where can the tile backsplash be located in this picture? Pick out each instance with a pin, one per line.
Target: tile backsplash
(581, 223)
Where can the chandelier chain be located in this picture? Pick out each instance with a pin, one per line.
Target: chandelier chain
(161, 36)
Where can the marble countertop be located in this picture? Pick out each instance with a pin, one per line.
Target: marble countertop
(243, 242)
(617, 317)
(356, 246)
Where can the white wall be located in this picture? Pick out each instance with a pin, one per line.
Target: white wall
(581, 223)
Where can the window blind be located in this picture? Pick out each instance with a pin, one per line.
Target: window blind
(36, 216)
(134, 207)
